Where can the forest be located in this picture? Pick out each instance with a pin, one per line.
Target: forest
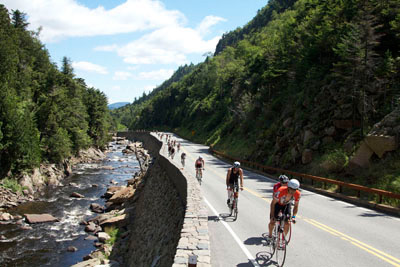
(46, 113)
(275, 87)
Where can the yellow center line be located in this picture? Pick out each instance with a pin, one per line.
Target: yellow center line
(380, 254)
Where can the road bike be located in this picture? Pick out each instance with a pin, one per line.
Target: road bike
(233, 201)
(279, 241)
(183, 161)
(199, 175)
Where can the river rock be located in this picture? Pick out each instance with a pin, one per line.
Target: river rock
(40, 218)
(97, 208)
(72, 249)
(6, 216)
(77, 195)
(91, 227)
(103, 236)
(91, 237)
(88, 263)
(120, 221)
(25, 227)
(3, 237)
(122, 195)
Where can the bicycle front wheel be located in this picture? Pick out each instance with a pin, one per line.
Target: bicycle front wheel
(280, 249)
(235, 209)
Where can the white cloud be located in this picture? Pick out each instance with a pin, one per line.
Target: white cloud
(90, 67)
(155, 75)
(67, 18)
(207, 23)
(122, 75)
(165, 45)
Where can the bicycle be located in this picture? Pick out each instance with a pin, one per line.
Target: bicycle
(233, 201)
(279, 241)
(183, 161)
(199, 175)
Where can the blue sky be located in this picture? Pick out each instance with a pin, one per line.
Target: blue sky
(127, 47)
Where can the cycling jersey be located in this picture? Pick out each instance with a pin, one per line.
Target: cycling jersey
(234, 177)
(281, 196)
(277, 186)
(199, 163)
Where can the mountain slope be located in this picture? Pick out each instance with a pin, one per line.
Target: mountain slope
(302, 88)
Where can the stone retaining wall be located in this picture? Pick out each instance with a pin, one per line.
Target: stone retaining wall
(192, 231)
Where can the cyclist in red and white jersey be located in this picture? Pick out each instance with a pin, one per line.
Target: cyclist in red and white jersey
(283, 180)
(282, 202)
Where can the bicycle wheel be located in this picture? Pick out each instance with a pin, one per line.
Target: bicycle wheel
(272, 243)
(289, 235)
(235, 209)
(280, 249)
(230, 206)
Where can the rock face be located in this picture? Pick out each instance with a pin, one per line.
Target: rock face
(40, 218)
(381, 144)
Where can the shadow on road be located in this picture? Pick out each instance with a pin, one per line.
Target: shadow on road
(254, 241)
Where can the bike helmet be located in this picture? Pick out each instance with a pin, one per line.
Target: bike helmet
(294, 184)
(283, 178)
(200, 157)
(236, 164)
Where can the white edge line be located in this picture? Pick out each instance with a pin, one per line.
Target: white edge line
(244, 249)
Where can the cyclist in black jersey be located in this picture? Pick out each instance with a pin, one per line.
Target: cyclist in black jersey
(232, 179)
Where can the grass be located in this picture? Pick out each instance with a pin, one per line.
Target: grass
(12, 184)
(113, 232)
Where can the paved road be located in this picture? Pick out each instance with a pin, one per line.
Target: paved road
(328, 232)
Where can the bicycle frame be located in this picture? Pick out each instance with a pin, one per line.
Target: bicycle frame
(234, 198)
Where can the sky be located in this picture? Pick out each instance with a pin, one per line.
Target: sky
(127, 47)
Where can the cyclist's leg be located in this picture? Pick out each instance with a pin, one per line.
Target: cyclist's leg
(287, 212)
(230, 192)
(273, 219)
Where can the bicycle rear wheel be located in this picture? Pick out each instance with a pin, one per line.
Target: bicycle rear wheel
(235, 208)
(280, 249)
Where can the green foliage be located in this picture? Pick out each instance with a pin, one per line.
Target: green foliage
(11, 184)
(113, 232)
(315, 62)
(45, 114)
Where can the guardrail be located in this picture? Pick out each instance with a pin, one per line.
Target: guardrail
(357, 188)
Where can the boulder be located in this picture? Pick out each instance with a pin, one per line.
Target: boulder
(122, 195)
(287, 122)
(362, 156)
(40, 218)
(103, 237)
(330, 131)
(91, 227)
(308, 135)
(88, 263)
(6, 216)
(306, 156)
(72, 249)
(381, 144)
(120, 221)
(97, 208)
(77, 195)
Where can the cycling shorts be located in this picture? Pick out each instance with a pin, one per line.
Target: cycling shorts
(285, 209)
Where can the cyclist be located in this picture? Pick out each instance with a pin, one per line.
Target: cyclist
(199, 164)
(282, 202)
(183, 157)
(283, 180)
(232, 178)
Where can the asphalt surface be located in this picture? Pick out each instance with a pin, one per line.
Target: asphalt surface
(328, 232)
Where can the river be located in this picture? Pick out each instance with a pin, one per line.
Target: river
(46, 244)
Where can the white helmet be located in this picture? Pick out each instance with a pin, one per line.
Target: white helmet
(294, 184)
(236, 164)
(283, 178)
